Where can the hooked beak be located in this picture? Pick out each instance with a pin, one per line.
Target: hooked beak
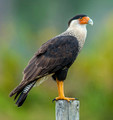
(90, 22)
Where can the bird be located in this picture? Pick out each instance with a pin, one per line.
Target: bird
(54, 59)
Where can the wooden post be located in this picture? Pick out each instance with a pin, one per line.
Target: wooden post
(67, 110)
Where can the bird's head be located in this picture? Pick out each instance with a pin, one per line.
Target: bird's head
(80, 20)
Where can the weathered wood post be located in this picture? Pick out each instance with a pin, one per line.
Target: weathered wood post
(67, 110)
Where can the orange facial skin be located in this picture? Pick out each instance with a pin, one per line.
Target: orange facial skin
(84, 20)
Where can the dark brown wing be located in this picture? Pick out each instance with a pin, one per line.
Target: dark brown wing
(52, 56)
(56, 53)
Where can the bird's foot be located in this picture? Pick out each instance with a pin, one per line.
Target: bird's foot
(64, 98)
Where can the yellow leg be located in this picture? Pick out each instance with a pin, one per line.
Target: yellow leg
(61, 91)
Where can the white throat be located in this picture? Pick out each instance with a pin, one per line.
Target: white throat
(77, 29)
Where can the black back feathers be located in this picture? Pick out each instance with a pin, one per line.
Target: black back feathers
(76, 17)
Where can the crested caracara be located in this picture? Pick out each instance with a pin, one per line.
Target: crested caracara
(54, 58)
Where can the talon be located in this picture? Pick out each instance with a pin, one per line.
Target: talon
(53, 100)
(76, 99)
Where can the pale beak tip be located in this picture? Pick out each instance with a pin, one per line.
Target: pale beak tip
(90, 22)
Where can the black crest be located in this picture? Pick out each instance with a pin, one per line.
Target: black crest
(76, 17)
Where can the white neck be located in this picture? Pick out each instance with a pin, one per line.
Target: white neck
(78, 30)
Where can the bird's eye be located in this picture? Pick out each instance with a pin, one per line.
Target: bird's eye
(80, 18)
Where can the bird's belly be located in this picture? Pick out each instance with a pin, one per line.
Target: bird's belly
(43, 79)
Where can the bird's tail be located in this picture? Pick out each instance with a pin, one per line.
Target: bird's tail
(22, 93)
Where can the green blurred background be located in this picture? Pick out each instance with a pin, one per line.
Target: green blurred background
(25, 25)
